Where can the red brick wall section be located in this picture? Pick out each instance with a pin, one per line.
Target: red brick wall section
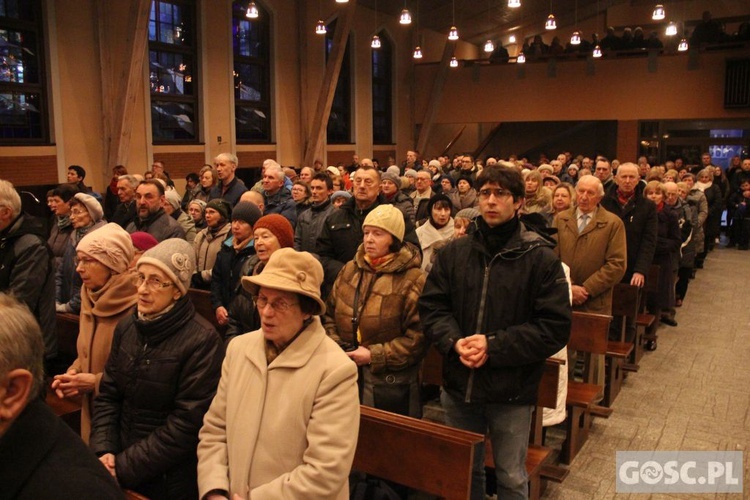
(382, 156)
(254, 158)
(179, 164)
(627, 140)
(335, 157)
(29, 170)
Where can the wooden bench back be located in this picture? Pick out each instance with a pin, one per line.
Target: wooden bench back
(423, 455)
(201, 300)
(589, 332)
(625, 300)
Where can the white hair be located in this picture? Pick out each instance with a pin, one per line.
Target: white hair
(10, 198)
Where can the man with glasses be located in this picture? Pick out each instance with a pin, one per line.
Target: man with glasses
(466, 169)
(341, 233)
(152, 219)
(422, 194)
(496, 305)
(27, 268)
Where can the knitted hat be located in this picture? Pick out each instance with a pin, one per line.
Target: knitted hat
(410, 172)
(467, 213)
(173, 198)
(176, 258)
(246, 211)
(110, 245)
(573, 166)
(434, 163)
(143, 241)
(222, 206)
(450, 179)
(279, 227)
(393, 169)
(393, 178)
(465, 178)
(92, 205)
(290, 271)
(341, 194)
(387, 218)
(201, 204)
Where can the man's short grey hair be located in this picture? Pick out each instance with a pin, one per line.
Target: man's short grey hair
(231, 158)
(130, 179)
(270, 163)
(21, 344)
(593, 180)
(276, 168)
(10, 198)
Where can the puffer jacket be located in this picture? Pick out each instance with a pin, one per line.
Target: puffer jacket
(309, 224)
(403, 202)
(59, 238)
(207, 245)
(388, 319)
(157, 385)
(27, 271)
(517, 297)
(227, 271)
(243, 315)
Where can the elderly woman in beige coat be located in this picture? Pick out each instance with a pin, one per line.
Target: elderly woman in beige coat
(285, 419)
(107, 295)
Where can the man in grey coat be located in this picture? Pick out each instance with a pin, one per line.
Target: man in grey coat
(152, 219)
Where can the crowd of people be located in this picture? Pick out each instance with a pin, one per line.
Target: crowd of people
(328, 285)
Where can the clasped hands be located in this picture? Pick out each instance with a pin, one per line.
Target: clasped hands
(472, 351)
(72, 383)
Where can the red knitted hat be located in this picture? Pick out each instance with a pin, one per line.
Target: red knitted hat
(279, 226)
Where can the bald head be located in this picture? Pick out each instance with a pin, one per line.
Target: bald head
(253, 197)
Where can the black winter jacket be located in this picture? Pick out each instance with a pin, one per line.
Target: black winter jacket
(639, 218)
(518, 298)
(227, 271)
(157, 384)
(309, 225)
(27, 270)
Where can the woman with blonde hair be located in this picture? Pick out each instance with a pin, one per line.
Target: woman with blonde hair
(538, 198)
(563, 197)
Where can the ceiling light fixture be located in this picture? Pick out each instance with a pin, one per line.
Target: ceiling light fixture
(671, 29)
(597, 52)
(521, 58)
(454, 62)
(659, 13)
(417, 52)
(405, 15)
(683, 46)
(252, 11)
(551, 24)
(375, 44)
(512, 39)
(489, 46)
(514, 4)
(320, 28)
(453, 33)
(576, 38)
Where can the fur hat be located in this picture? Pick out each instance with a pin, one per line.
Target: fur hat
(176, 258)
(573, 166)
(222, 206)
(341, 194)
(110, 245)
(393, 178)
(246, 211)
(545, 168)
(143, 241)
(387, 218)
(290, 271)
(279, 226)
(92, 205)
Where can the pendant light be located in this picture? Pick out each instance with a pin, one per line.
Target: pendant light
(659, 13)
(405, 17)
(551, 24)
(252, 11)
(489, 46)
(514, 4)
(683, 46)
(454, 62)
(375, 44)
(320, 28)
(576, 38)
(417, 52)
(342, 1)
(520, 59)
(512, 39)
(453, 33)
(671, 29)
(597, 52)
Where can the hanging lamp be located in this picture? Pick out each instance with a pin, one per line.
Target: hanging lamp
(659, 13)
(252, 11)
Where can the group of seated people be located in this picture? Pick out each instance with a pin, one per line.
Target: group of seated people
(329, 305)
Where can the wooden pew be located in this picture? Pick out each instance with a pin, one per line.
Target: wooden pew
(201, 300)
(426, 456)
(67, 334)
(589, 334)
(625, 299)
(647, 322)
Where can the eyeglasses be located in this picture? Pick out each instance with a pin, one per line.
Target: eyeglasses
(84, 262)
(497, 192)
(279, 305)
(152, 283)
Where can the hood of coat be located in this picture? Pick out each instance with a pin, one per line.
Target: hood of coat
(406, 258)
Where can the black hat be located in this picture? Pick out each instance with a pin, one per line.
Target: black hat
(246, 211)
(222, 206)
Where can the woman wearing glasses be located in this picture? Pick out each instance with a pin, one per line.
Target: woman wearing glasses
(107, 296)
(86, 215)
(158, 382)
(285, 419)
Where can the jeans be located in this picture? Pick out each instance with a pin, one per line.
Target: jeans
(509, 427)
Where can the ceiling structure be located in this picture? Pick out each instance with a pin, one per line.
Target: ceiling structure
(480, 20)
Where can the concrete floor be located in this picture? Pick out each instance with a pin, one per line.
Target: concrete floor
(692, 393)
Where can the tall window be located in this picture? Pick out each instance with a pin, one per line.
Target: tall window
(23, 101)
(252, 74)
(172, 50)
(382, 91)
(340, 120)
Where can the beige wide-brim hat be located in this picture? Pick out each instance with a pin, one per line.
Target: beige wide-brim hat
(290, 271)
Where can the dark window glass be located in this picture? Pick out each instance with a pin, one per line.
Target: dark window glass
(173, 71)
(382, 91)
(251, 39)
(340, 120)
(23, 99)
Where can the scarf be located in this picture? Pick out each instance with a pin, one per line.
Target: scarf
(63, 222)
(703, 185)
(497, 237)
(379, 263)
(660, 206)
(623, 198)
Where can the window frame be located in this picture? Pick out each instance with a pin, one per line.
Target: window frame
(384, 80)
(342, 103)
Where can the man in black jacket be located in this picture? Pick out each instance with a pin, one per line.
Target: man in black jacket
(626, 200)
(342, 234)
(496, 305)
(27, 268)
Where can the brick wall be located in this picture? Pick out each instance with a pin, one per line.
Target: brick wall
(335, 157)
(254, 158)
(29, 170)
(180, 164)
(627, 140)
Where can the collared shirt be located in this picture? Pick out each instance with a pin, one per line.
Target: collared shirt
(590, 216)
